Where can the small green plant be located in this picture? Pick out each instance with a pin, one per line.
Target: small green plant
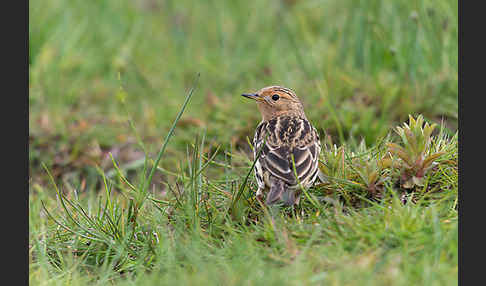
(371, 169)
(416, 156)
(354, 175)
(404, 166)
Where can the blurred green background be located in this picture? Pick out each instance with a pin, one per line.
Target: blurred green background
(360, 67)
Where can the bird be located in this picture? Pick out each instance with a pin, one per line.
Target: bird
(285, 144)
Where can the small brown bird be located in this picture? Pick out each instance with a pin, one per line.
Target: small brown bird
(284, 137)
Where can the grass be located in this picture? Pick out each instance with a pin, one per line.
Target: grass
(109, 80)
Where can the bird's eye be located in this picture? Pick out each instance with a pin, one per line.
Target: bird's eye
(275, 97)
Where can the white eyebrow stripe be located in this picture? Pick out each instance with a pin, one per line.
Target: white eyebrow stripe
(285, 90)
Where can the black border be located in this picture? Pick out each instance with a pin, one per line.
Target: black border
(15, 134)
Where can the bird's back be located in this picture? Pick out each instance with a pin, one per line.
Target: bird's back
(284, 141)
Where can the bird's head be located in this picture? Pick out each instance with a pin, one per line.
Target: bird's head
(273, 101)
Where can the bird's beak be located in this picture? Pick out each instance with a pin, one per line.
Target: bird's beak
(254, 96)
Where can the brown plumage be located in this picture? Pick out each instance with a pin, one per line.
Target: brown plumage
(284, 137)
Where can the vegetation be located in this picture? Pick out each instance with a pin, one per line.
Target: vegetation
(140, 166)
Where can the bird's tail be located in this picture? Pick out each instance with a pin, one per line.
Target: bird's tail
(291, 197)
(277, 188)
(279, 191)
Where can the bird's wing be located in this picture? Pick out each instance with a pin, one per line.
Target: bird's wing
(278, 147)
(306, 161)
